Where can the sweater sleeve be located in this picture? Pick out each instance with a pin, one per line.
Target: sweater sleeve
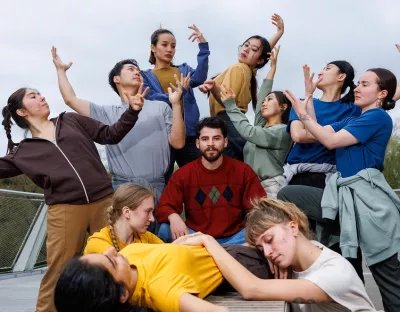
(171, 200)
(233, 79)
(104, 134)
(265, 89)
(199, 75)
(7, 168)
(253, 188)
(152, 94)
(264, 137)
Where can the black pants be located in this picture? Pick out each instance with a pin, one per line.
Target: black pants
(235, 141)
(308, 199)
(182, 156)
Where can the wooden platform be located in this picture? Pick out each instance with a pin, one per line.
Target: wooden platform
(236, 303)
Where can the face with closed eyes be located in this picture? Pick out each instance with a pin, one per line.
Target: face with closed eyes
(367, 92)
(278, 243)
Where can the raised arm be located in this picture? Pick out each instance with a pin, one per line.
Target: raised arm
(280, 29)
(199, 75)
(266, 87)
(105, 134)
(81, 106)
(250, 286)
(178, 133)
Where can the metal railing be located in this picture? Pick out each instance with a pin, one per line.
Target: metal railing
(23, 231)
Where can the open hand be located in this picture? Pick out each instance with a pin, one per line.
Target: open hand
(196, 35)
(298, 105)
(279, 273)
(57, 61)
(277, 21)
(227, 93)
(175, 92)
(195, 239)
(207, 86)
(273, 56)
(309, 84)
(136, 101)
(177, 226)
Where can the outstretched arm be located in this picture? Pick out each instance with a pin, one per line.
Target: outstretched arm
(280, 29)
(81, 106)
(250, 286)
(199, 75)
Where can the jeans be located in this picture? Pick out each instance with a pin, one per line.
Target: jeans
(236, 239)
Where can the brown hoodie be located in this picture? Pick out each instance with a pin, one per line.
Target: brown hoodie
(69, 170)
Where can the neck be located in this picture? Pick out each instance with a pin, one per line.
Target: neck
(330, 94)
(123, 231)
(128, 90)
(212, 165)
(40, 127)
(368, 107)
(306, 254)
(273, 120)
(161, 64)
(133, 278)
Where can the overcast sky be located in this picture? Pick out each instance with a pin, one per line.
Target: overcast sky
(96, 34)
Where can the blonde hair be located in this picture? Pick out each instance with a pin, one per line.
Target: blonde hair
(127, 195)
(267, 213)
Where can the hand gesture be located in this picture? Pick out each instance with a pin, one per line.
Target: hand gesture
(195, 239)
(175, 96)
(398, 47)
(57, 61)
(279, 273)
(177, 226)
(309, 85)
(227, 93)
(196, 35)
(278, 22)
(273, 56)
(136, 101)
(298, 105)
(207, 86)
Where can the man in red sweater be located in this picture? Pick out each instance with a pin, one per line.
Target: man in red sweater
(215, 190)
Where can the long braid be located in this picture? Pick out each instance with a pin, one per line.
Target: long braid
(110, 212)
(7, 127)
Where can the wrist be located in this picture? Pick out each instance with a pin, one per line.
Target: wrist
(173, 216)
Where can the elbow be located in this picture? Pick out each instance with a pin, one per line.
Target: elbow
(248, 293)
(296, 137)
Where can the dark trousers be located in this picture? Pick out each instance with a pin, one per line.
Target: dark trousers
(235, 141)
(182, 156)
(308, 199)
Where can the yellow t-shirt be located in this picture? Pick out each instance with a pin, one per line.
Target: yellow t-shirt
(99, 242)
(167, 271)
(237, 77)
(165, 76)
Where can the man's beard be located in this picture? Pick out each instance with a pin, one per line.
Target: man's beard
(213, 158)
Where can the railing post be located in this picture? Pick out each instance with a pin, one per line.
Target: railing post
(29, 253)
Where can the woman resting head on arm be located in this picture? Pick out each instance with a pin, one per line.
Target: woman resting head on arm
(321, 276)
(129, 216)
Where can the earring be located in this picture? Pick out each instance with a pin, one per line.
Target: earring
(379, 103)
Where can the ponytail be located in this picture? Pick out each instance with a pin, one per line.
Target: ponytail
(349, 97)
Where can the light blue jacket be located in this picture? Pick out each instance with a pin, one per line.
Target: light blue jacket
(369, 214)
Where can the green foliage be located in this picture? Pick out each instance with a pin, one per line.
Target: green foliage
(392, 162)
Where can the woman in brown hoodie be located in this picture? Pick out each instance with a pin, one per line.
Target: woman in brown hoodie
(62, 159)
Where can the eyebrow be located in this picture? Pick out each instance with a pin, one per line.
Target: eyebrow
(112, 263)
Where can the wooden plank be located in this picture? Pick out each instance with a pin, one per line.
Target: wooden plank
(235, 302)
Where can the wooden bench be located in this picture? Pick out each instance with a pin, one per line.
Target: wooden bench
(235, 302)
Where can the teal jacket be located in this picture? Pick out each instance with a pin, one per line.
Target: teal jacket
(369, 214)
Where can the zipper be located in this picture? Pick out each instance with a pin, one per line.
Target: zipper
(73, 168)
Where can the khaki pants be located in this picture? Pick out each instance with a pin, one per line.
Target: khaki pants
(66, 230)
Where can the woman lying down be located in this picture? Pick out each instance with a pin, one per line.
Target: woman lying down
(175, 277)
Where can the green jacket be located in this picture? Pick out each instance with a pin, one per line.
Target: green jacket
(369, 214)
(266, 147)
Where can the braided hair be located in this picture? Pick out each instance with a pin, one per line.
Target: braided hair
(127, 195)
(15, 102)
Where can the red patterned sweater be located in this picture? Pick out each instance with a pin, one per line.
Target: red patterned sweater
(216, 201)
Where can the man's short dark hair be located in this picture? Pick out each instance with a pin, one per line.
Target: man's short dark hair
(116, 71)
(212, 122)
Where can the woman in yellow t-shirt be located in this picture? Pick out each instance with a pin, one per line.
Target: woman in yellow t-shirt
(241, 78)
(129, 216)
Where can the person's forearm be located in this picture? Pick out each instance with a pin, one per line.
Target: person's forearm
(275, 38)
(320, 133)
(216, 92)
(397, 94)
(65, 87)
(237, 275)
(271, 73)
(178, 133)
